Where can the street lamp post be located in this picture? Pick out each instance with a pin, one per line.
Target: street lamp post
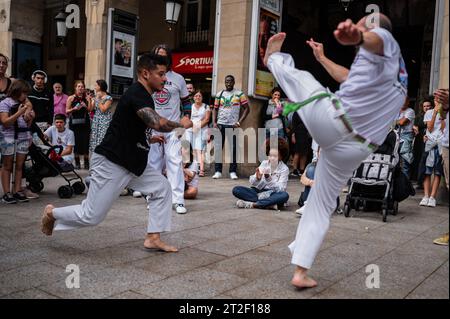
(61, 27)
(345, 3)
(173, 9)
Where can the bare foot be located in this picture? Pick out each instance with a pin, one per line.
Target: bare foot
(47, 221)
(159, 245)
(274, 45)
(303, 281)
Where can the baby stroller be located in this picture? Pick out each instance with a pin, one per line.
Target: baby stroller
(49, 163)
(372, 184)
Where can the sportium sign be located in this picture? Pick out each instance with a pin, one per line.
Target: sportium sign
(193, 62)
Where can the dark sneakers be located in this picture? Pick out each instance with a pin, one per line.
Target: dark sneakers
(20, 197)
(8, 198)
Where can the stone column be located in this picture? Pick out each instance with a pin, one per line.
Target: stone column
(234, 54)
(96, 41)
(5, 33)
(443, 83)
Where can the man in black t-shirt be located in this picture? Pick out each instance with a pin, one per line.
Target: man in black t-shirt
(121, 161)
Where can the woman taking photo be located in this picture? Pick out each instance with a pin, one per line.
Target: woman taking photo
(79, 122)
(101, 106)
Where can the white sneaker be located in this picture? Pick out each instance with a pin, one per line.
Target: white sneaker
(432, 202)
(180, 209)
(137, 194)
(217, 175)
(300, 211)
(244, 205)
(424, 201)
(233, 176)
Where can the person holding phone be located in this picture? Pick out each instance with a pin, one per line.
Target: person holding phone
(268, 184)
(77, 109)
(16, 115)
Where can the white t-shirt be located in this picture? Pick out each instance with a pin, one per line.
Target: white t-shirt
(168, 101)
(372, 95)
(437, 134)
(194, 168)
(198, 115)
(410, 115)
(65, 138)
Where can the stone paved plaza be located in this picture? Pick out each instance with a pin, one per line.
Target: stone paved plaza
(224, 252)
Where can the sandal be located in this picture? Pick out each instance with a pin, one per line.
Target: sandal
(202, 174)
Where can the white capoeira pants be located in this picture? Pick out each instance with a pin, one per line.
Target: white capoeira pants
(340, 155)
(168, 155)
(107, 182)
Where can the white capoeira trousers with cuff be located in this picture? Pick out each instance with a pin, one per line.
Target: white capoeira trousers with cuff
(168, 156)
(107, 182)
(340, 155)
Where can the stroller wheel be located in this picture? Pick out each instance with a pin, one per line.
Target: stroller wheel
(65, 191)
(78, 188)
(347, 210)
(385, 214)
(36, 187)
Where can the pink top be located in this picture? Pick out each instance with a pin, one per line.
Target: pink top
(59, 103)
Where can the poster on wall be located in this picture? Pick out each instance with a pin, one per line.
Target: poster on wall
(122, 53)
(266, 23)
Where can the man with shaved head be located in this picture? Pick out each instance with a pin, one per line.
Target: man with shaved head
(348, 125)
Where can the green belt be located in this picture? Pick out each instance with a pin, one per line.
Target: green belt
(293, 107)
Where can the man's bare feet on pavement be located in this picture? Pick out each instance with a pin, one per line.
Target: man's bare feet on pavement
(47, 221)
(274, 45)
(157, 244)
(302, 281)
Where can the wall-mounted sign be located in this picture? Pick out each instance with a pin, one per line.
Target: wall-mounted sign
(266, 22)
(193, 62)
(272, 5)
(122, 52)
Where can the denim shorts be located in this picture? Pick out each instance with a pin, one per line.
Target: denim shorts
(7, 146)
(437, 169)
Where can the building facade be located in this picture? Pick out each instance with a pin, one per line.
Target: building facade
(214, 38)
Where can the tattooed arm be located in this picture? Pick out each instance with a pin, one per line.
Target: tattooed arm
(158, 123)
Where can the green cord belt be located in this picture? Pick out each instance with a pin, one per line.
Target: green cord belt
(293, 107)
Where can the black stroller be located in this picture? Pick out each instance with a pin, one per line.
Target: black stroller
(48, 163)
(372, 184)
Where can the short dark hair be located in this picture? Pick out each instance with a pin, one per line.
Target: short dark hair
(119, 40)
(166, 48)
(149, 61)
(103, 85)
(230, 76)
(17, 88)
(60, 117)
(276, 89)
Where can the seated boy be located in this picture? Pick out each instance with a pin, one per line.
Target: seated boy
(58, 134)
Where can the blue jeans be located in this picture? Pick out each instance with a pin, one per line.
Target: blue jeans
(309, 173)
(233, 165)
(281, 133)
(251, 195)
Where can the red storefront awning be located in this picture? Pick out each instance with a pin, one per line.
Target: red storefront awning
(193, 62)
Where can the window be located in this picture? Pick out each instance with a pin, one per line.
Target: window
(197, 15)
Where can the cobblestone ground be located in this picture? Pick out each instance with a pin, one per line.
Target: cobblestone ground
(224, 252)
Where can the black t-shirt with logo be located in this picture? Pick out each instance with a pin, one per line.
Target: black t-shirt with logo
(125, 142)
